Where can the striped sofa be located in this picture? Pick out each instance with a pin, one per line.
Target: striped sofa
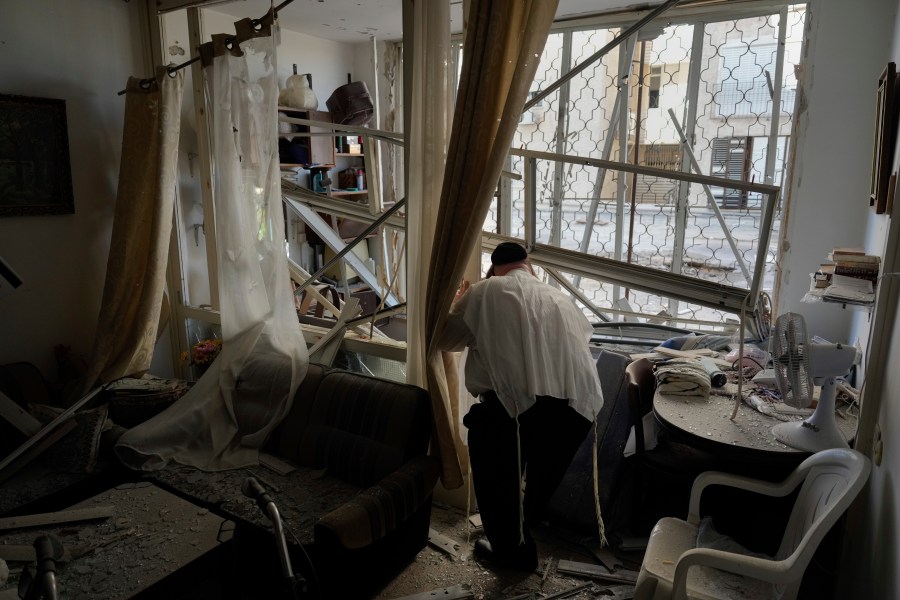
(361, 444)
(357, 495)
(367, 432)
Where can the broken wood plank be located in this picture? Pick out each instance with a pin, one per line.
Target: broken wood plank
(456, 592)
(33, 448)
(275, 464)
(17, 552)
(39, 441)
(26, 553)
(475, 520)
(17, 416)
(53, 518)
(606, 557)
(443, 543)
(596, 571)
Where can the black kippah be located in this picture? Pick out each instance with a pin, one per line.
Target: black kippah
(508, 252)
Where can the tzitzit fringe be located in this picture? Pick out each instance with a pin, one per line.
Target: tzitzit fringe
(521, 484)
(469, 502)
(600, 524)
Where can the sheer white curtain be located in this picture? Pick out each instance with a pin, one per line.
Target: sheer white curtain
(223, 420)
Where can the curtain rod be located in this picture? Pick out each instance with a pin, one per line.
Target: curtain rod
(145, 83)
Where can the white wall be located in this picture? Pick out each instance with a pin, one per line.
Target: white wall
(874, 552)
(82, 52)
(848, 48)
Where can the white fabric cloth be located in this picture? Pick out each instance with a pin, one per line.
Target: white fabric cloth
(225, 418)
(525, 339)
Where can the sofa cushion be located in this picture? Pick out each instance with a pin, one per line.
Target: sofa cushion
(302, 496)
(361, 428)
(374, 513)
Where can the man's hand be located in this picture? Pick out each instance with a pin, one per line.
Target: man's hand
(461, 291)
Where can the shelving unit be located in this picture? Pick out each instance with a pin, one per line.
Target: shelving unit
(317, 149)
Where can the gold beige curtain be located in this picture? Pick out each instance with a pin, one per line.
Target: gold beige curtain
(427, 140)
(136, 269)
(504, 42)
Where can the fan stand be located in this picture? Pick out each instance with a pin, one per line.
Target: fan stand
(817, 432)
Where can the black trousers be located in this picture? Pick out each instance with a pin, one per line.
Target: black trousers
(550, 433)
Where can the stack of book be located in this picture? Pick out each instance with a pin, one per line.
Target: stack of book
(850, 262)
(851, 275)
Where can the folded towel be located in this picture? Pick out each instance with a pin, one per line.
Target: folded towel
(682, 378)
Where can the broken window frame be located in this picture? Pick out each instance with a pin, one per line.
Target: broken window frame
(623, 274)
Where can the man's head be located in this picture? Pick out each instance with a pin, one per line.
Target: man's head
(508, 256)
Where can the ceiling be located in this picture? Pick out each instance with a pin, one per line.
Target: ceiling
(354, 21)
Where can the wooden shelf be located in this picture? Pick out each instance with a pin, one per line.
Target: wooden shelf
(318, 150)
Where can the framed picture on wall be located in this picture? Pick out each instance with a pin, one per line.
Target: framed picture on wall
(885, 138)
(35, 174)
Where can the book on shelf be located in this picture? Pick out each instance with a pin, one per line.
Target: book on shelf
(854, 259)
(826, 270)
(849, 251)
(856, 271)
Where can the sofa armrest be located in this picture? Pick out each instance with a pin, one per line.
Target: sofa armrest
(380, 509)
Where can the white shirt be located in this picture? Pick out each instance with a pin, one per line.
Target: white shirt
(525, 339)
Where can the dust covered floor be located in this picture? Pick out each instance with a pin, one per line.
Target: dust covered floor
(145, 543)
(129, 540)
(448, 561)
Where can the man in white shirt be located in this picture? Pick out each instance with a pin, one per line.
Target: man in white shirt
(530, 365)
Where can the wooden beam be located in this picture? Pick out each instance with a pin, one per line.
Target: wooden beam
(443, 543)
(33, 448)
(53, 518)
(43, 439)
(17, 417)
(595, 571)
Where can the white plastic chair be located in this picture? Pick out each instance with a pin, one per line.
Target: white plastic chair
(831, 480)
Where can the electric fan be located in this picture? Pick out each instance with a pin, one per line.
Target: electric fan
(798, 365)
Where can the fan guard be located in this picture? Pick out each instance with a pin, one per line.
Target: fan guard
(790, 355)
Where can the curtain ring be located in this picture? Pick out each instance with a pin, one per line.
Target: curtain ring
(146, 83)
(229, 43)
(256, 24)
(171, 71)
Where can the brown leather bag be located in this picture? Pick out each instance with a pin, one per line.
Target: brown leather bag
(351, 104)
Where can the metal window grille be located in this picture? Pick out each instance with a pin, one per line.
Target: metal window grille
(728, 86)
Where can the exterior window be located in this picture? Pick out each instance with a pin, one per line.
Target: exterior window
(655, 77)
(535, 114)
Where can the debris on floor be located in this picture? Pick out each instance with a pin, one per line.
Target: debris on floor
(447, 568)
(148, 534)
